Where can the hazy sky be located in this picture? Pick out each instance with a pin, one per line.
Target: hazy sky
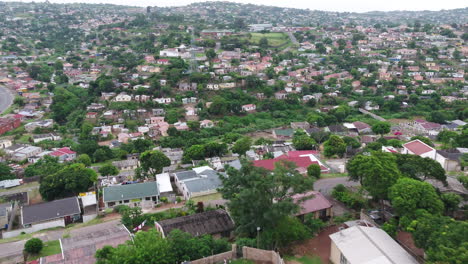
(329, 5)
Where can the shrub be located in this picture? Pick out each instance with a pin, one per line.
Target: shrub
(314, 225)
(121, 208)
(33, 246)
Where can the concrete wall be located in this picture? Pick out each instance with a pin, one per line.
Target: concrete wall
(334, 254)
(260, 255)
(219, 258)
(36, 227)
(87, 218)
(448, 165)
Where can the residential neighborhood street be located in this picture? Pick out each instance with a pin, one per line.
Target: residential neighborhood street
(6, 99)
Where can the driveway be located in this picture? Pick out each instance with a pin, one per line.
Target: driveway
(326, 186)
(6, 99)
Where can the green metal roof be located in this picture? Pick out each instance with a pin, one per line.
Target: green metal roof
(130, 191)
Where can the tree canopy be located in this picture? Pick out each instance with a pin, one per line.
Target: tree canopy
(152, 162)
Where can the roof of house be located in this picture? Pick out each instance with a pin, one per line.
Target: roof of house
(205, 181)
(360, 125)
(210, 222)
(62, 151)
(417, 147)
(284, 132)
(130, 191)
(164, 182)
(311, 202)
(296, 158)
(50, 210)
(370, 245)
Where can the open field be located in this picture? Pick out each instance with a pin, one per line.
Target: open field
(274, 39)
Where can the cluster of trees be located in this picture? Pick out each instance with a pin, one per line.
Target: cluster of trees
(202, 151)
(261, 198)
(151, 247)
(399, 179)
(6, 172)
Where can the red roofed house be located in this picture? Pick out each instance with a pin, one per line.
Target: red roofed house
(417, 147)
(9, 123)
(302, 159)
(249, 107)
(163, 61)
(64, 154)
(314, 203)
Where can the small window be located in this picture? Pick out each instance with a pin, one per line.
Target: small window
(126, 201)
(148, 198)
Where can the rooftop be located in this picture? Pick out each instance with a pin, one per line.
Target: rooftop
(50, 210)
(370, 245)
(130, 191)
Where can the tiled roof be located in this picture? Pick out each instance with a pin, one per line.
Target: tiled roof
(417, 147)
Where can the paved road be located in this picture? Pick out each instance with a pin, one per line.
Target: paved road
(6, 99)
(325, 186)
(292, 37)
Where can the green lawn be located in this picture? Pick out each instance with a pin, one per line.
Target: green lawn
(333, 175)
(305, 259)
(205, 198)
(50, 248)
(274, 39)
(242, 261)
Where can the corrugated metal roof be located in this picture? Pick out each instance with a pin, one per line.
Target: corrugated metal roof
(130, 191)
(50, 210)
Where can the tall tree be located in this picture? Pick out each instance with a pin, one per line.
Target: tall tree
(153, 162)
(242, 145)
(69, 181)
(5, 172)
(381, 128)
(408, 195)
(334, 146)
(261, 198)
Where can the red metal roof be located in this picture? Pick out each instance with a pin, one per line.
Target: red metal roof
(316, 202)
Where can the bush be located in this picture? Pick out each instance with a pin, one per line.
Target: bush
(314, 225)
(33, 246)
(121, 208)
(350, 199)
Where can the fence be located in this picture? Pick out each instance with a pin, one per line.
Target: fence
(254, 254)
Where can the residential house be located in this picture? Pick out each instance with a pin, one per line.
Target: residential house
(362, 128)
(302, 159)
(217, 223)
(49, 136)
(188, 86)
(25, 152)
(449, 159)
(300, 125)
(9, 123)
(164, 186)
(144, 195)
(123, 97)
(89, 205)
(417, 147)
(362, 244)
(249, 108)
(313, 203)
(125, 165)
(283, 134)
(5, 143)
(206, 123)
(58, 213)
(197, 182)
(47, 123)
(64, 154)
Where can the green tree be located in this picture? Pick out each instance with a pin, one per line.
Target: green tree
(210, 54)
(242, 145)
(451, 201)
(70, 180)
(263, 43)
(108, 169)
(195, 152)
(334, 146)
(5, 172)
(146, 247)
(33, 246)
(152, 162)
(219, 106)
(381, 128)
(352, 142)
(314, 171)
(420, 168)
(408, 195)
(46, 166)
(261, 198)
(85, 159)
(302, 141)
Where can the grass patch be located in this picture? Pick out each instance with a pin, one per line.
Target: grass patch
(21, 187)
(242, 261)
(95, 221)
(274, 39)
(16, 238)
(24, 139)
(205, 198)
(333, 175)
(304, 259)
(50, 248)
